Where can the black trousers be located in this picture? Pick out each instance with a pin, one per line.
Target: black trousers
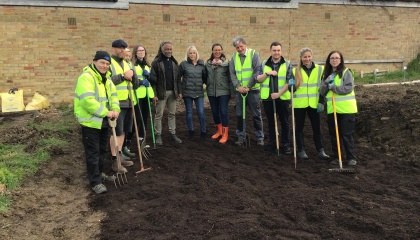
(345, 129)
(282, 109)
(300, 114)
(144, 105)
(96, 145)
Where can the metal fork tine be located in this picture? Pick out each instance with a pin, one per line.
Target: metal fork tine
(122, 179)
(118, 179)
(115, 182)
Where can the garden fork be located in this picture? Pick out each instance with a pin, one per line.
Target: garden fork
(120, 173)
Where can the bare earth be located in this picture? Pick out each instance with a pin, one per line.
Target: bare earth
(204, 190)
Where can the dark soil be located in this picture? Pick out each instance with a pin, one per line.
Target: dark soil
(205, 190)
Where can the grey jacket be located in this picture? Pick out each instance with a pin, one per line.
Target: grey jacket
(193, 78)
(347, 85)
(218, 79)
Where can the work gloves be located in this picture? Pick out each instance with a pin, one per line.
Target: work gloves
(146, 73)
(320, 108)
(145, 83)
(291, 82)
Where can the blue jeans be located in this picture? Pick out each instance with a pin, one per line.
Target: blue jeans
(199, 104)
(219, 109)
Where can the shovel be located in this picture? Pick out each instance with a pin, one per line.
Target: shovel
(151, 119)
(245, 135)
(275, 119)
(113, 124)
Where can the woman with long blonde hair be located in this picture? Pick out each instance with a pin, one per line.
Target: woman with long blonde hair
(307, 101)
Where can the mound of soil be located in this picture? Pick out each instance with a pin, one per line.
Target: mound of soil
(205, 190)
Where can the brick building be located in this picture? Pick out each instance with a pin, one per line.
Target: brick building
(45, 44)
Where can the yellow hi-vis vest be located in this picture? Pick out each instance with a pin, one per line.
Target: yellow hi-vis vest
(91, 103)
(244, 71)
(265, 85)
(307, 94)
(141, 91)
(343, 103)
(122, 88)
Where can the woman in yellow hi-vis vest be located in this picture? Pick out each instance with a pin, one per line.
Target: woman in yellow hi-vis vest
(307, 101)
(141, 67)
(339, 79)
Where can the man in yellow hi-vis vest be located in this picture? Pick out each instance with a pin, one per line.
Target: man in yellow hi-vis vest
(124, 79)
(275, 76)
(243, 73)
(96, 100)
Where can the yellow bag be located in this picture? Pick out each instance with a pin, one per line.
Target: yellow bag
(38, 102)
(12, 101)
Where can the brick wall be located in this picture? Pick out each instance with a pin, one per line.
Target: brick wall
(41, 52)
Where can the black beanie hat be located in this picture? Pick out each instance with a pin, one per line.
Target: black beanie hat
(102, 55)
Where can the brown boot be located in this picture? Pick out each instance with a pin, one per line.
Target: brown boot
(117, 169)
(218, 133)
(126, 163)
(225, 131)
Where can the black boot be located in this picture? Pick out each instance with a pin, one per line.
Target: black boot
(191, 135)
(203, 136)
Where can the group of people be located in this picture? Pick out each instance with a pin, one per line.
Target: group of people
(111, 86)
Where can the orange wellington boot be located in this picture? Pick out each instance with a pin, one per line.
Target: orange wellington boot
(225, 132)
(218, 133)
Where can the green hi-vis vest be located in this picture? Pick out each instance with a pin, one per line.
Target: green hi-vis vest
(122, 88)
(307, 94)
(141, 91)
(343, 103)
(91, 103)
(265, 85)
(244, 71)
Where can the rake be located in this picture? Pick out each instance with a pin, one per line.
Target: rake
(143, 145)
(142, 169)
(293, 126)
(337, 135)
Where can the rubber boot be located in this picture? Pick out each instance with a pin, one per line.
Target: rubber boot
(127, 152)
(218, 133)
(225, 131)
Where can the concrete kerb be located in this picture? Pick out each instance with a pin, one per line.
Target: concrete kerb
(392, 83)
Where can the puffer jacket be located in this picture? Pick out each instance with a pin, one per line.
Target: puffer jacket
(218, 79)
(193, 78)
